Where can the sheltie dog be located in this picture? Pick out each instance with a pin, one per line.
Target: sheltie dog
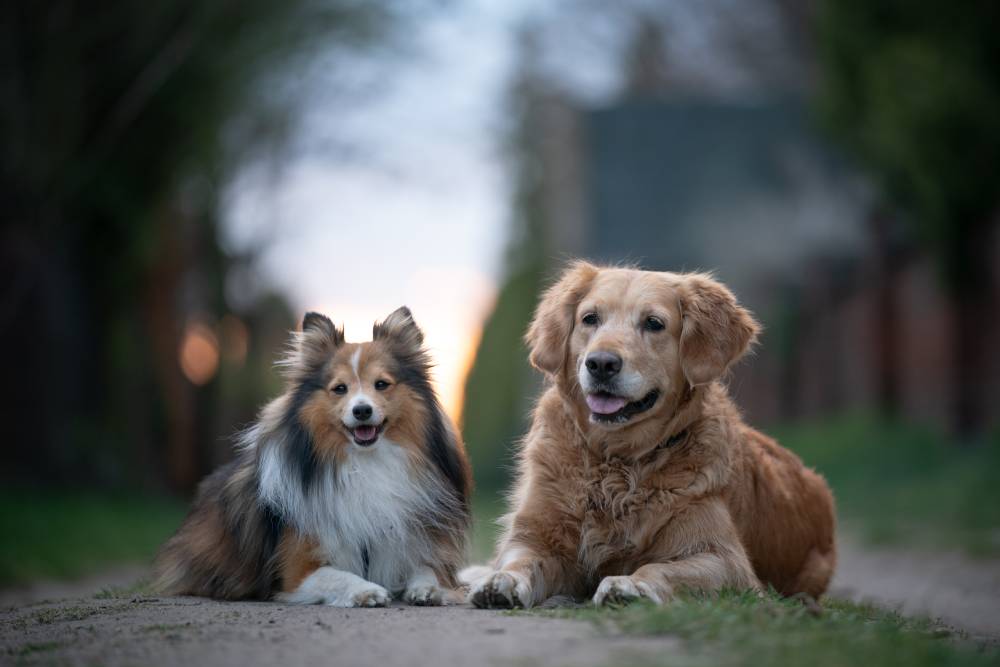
(352, 488)
(639, 477)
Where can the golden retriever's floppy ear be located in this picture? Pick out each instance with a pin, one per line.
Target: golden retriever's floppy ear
(549, 331)
(400, 329)
(716, 330)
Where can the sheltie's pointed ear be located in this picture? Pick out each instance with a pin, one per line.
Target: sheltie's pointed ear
(314, 322)
(400, 329)
(548, 334)
(716, 330)
(319, 338)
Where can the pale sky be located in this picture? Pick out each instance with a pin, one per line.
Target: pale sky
(421, 218)
(412, 205)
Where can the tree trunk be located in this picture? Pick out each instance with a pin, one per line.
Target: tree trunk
(165, 325)
(886, 316)
(975, 303)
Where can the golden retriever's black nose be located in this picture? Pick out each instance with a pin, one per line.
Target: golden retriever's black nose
(362, 411)
(603, 365)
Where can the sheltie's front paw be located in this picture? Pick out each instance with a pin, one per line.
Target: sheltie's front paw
(425, 595)
(622, 590)
(374, 596)
(337, 589)
(501, 590)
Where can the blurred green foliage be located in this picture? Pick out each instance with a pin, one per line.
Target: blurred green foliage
(741, 628)
(121, 126)
(66, 534)
(904, 483)
(495, 411)
(496, 407)
(914, 88)
(487, 507)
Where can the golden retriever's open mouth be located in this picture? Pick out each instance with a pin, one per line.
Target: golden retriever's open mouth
(607, 407)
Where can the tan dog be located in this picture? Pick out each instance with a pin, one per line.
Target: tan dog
(638, 477)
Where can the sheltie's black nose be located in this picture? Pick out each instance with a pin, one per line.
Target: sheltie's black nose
(362, 411)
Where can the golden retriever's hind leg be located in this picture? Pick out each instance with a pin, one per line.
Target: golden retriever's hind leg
(816, 573)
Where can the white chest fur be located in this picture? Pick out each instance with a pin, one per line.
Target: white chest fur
(365, 512)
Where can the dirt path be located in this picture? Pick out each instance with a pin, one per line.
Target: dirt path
(187, 631)
(961, 591)
(85, 630)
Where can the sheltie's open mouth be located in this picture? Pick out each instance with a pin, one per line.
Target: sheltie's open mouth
(365, 435)
(609, 408)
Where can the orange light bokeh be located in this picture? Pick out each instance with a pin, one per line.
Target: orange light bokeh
(199, 353)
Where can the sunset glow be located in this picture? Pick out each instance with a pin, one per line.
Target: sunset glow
(449, 306)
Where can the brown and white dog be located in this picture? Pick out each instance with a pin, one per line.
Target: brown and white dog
(638, 477)
(350, 489)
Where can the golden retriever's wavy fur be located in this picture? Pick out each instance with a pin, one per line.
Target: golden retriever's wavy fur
(683, 495)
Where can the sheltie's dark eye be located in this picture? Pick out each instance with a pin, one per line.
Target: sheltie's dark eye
(381, 385)
(591, 319)
(654, 324)
(340, 389)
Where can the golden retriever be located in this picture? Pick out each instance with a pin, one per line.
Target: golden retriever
(638, 477)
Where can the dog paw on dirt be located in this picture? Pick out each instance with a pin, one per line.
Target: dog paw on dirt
(501, 590)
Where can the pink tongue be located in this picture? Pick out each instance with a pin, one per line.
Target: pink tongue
(605, 404)
(364, 432)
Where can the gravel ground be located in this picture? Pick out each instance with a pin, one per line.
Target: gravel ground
(141, 630)
(190, 631)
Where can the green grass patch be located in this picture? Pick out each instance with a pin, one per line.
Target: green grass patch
(160, 628)
(137, 588)
(486, 508)
(903, 483)
(740, 628)
(33, 648)
(47, 534)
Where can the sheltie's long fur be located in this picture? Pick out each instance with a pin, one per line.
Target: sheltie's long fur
(351, 488)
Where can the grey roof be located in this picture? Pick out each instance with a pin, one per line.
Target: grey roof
(657, 169)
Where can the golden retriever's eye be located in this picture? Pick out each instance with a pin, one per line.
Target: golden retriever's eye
(591, 319)
(340, 389)
(381, 385)
(654, 324)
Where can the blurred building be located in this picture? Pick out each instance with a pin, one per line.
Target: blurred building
(680, 182)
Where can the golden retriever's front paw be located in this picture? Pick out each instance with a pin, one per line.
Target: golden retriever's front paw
(622, 590)
(501, 590)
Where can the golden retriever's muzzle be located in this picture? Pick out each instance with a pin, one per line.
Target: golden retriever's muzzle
(604, 393)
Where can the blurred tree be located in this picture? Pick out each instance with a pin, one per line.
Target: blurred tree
(914, 88)
(120, 125)
(495, 408)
